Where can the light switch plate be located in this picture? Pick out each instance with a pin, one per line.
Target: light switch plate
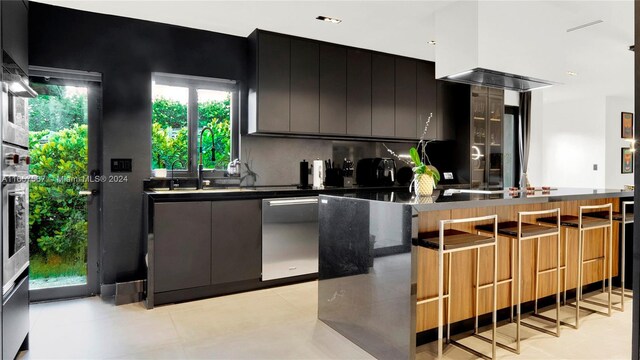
(595, 167)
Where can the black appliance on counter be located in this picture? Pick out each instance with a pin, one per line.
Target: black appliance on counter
(376, 172)
(304, 175)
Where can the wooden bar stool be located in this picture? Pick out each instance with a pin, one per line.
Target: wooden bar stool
(583, 223)
(447, 242)
(623, 218)
(520, 231)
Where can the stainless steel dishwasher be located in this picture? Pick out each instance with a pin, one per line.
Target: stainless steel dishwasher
(289, 237)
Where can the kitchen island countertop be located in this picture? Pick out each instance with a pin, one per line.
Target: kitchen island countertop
(371, 277)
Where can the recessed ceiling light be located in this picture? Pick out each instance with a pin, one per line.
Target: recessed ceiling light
(431, 42)
(572, 73)
(329, 19)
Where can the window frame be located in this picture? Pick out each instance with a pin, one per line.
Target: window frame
(195, 83)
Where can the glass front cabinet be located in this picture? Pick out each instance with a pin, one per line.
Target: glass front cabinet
(487, 137)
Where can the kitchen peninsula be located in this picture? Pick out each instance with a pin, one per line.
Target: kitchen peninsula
(370, 275)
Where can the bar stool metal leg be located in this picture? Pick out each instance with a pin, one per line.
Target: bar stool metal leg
(566, 262)
(536, 281)
(449, 260)
(604, 262)
(440, 288)
(579, 282)
(519, 297)
(623, 241)
(495, 294)
(558, 283)
(476, 312)
(610, 258)
(513, 276)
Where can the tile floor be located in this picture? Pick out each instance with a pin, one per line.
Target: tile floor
(278, 323)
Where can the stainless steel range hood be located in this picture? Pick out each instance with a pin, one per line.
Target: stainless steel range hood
(491, 43)
(498, 79)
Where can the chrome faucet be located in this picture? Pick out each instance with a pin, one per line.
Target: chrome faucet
(200, 152)
(172, 184)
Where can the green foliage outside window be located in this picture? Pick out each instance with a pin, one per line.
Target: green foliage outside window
(169, 134)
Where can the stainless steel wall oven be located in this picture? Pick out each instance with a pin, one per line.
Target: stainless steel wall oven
(15, 214)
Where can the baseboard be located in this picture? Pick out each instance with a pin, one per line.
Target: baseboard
(129, 292)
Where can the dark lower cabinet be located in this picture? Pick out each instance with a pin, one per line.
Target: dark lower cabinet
(236, 245)
(406, 98)
(358, 92)
(182, 245)
(383, 93)
(204, 248)
(333, 89)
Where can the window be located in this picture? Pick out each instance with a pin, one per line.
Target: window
(182, 106)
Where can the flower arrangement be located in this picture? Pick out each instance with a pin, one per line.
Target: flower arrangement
(426, 176)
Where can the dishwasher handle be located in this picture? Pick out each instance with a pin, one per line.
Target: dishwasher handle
(289, 202)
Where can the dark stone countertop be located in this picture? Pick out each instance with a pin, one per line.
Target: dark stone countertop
(441, 201)
(261, 192)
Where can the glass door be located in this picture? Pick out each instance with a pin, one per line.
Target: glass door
(478, 136)
(64, 203)
(495, 140)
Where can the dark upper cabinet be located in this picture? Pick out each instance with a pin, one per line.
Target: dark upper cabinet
(305, 96)
(236, 246)
(333, 89)
(182, 245)
(358, 92)
(426, 100)
(406, 106)
(383, 95)
(15, 39)
(273, 63)
(306, 87)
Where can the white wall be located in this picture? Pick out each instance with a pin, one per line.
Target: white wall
(568, 138)
(536, 146)
(613, 178)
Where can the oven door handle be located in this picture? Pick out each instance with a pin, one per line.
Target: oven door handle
(16, 179)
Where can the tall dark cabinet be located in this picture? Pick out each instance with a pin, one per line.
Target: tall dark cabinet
(305, 87)
(270, 98)
(358, 92)
(487, 137)
(333, 89)
(383, 94)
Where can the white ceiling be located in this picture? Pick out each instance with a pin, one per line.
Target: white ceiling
(598, 54)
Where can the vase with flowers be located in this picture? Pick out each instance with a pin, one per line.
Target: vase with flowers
(425, 175)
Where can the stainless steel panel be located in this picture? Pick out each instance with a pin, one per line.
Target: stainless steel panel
(15, 120)
(15, 215)
(289, 237)
(15, 319)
